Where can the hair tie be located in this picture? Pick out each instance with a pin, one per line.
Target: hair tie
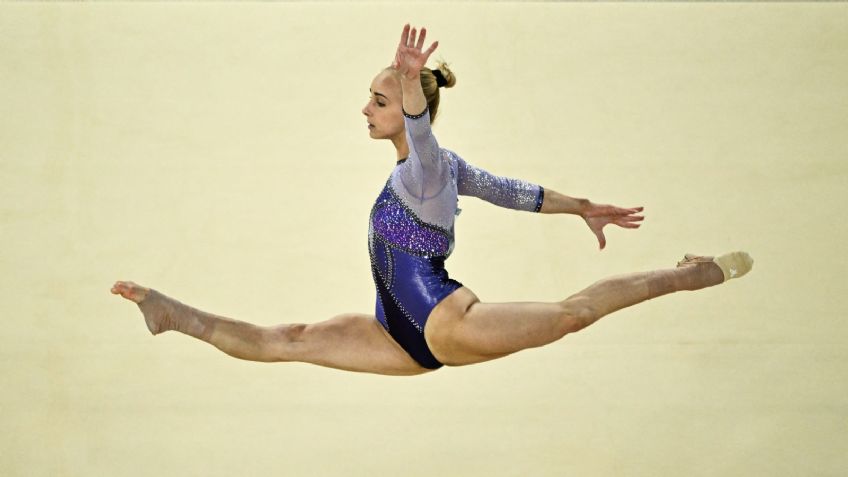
(440, 78)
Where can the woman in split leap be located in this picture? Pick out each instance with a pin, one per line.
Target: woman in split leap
(424, 319)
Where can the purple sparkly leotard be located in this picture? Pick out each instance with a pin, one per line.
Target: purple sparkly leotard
(411, 231)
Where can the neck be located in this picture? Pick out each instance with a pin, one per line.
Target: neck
(401, 146)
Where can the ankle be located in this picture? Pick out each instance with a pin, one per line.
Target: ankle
(193, 322)
(702, 275)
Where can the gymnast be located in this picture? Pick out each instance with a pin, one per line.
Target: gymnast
(423, 319)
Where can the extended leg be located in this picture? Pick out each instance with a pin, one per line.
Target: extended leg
(352, 342)
(485, 331)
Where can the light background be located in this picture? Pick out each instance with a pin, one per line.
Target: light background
(217, 152)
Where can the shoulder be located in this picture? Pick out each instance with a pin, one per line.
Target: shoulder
(449, 155)
(453, 160)
(456, 161)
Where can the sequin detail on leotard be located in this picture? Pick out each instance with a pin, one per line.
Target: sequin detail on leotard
(400, 227)
(411, 232)
(407, 264)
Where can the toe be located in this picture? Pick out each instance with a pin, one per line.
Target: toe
(130, 290)
(118, 287)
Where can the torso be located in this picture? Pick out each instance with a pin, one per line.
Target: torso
(407, 261)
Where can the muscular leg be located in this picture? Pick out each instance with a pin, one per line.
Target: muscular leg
(352, 342)
(466, 331)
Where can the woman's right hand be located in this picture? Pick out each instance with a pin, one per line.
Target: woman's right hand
(409, 59)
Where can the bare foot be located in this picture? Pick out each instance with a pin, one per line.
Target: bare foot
(130, 291)
(161, 313)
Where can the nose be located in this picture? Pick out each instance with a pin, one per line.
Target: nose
(365, 110)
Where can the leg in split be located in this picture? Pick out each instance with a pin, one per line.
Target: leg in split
(352, 342)
(466, 331)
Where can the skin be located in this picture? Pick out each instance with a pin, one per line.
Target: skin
(461, 329)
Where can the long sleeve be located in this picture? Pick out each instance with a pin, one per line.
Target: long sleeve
(502, 191)
(425, 173)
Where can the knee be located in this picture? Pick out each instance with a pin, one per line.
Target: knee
(283, 342)
(577, 313)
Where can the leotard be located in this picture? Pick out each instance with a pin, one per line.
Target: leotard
(411, 231)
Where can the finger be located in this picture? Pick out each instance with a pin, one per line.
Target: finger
(420, 43)
(628, 225)
(430, 50)
(404, 35)
(623, 211)
(602, 240)
(628, 220)
(411, 43)
(627, 211)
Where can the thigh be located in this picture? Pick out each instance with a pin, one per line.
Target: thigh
(352, 342)
(468, 331)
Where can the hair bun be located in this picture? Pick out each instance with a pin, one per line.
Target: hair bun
(440, 79)
(444, 76)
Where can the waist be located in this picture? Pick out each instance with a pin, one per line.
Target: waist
(419, 242)
(396, 263)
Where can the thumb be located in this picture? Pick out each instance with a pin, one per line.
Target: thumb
(602, 240)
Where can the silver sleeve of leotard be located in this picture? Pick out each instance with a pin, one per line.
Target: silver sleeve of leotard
(502, 191)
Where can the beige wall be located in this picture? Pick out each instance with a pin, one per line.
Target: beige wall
(217, 153)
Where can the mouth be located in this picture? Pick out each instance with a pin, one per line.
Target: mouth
(370, 126)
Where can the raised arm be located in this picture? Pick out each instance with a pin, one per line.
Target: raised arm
(409, 59)
(425, 173)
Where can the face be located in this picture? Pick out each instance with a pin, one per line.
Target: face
(384, 111)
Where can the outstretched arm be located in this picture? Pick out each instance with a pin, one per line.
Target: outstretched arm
(425, 173)
(504, 192)
(521, 195)
(557, 203)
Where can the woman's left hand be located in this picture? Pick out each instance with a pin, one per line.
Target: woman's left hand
(409, 59)
(598, 216)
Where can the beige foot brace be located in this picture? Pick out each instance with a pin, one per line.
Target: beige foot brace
(732, 265)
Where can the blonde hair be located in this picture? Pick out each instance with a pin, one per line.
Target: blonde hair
(431, 89)
(430, 86)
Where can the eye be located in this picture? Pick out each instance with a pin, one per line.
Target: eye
(380, 104)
